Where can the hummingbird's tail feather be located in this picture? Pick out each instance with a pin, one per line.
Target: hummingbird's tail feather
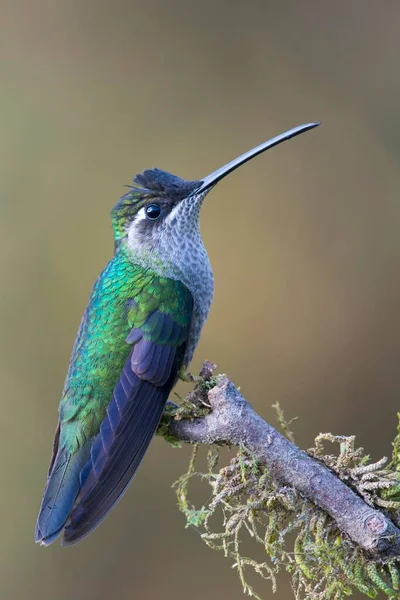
(132, 419)
(60, 493)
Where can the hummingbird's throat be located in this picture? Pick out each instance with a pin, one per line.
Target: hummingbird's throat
(174, 248)
(184, 217)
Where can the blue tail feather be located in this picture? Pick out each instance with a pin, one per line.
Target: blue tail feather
(60, 493)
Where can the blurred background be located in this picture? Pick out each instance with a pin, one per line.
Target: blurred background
(304, 242)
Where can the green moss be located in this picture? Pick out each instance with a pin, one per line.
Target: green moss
(185, 410)
(297, 537)
(395, 464)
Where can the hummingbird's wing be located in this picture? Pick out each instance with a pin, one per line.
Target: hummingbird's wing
(126, 357)
(159, 335)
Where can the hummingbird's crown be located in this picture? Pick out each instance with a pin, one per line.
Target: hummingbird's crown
(161, 183)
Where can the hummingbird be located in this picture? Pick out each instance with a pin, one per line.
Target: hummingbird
(136, 338)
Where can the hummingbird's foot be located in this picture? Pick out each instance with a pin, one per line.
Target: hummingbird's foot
(187, 377)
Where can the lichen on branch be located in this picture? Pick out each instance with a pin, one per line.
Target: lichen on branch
(340, 509)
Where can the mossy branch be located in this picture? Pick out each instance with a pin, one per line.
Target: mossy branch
(344, 511)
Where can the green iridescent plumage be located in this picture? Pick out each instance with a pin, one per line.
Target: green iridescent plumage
(103, 378)
(123, 298)
(124, 211)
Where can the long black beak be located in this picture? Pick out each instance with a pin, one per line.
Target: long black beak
(219, 174)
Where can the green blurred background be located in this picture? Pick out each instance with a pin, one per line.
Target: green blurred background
(304, 241)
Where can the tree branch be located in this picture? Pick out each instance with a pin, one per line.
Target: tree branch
(233, 421)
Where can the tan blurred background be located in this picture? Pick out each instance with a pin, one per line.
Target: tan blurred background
(304, 241)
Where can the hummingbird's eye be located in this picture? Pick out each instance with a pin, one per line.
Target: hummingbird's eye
(153, 211)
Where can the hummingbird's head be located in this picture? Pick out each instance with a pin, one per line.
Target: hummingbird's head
(160, 213)
(158, 204)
